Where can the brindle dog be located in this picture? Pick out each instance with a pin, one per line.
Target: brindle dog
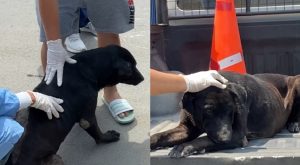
(251, 107)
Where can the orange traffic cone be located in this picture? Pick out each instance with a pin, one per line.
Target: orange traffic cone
(226, 51)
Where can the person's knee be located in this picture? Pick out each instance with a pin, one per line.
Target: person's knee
(10, 130)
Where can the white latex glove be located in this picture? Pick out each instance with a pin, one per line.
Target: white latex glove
(56, 57)
(198, 81)
(48, 104)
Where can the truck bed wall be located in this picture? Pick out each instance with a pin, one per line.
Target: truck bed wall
(270, 43)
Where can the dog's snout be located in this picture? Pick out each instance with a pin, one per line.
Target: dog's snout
(138, 77)
(224, 135)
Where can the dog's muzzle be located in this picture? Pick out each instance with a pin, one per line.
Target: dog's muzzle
(137, 78)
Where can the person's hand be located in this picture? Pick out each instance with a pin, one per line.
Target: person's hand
(48, 104)
(56, 57)
(198, 81)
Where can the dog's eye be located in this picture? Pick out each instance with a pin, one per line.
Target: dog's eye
(209, 108)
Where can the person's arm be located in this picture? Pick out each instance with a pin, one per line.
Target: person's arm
(10, 103)
(56, 53)
(168, 82)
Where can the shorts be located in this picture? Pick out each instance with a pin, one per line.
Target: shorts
(107, 16)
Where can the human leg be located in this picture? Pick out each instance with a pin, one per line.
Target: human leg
(110, 93)
(44, 56)
(111, 19)
(69, 21)
(10, 133)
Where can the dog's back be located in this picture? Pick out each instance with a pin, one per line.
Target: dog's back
(289, 88)
(267, 114)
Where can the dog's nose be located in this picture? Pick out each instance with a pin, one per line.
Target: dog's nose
(139, 77)
(224, 135)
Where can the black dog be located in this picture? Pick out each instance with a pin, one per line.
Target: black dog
(94, 70)
(251, 107)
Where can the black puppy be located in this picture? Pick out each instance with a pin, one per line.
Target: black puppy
(249, 108)
(82, 81)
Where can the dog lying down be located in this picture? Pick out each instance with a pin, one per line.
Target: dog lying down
(251, 107)
(82, 81)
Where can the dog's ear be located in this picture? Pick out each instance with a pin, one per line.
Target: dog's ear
(188, 102)
(239, 95)
(123, 68)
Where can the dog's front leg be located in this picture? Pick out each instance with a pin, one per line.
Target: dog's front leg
(178, 135)
(92, 128)
(293, 124)
(202, 145)
(292, 103)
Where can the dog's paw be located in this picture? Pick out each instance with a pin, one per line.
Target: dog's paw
(184, 150)
(293, 127)
(154, 142)
(110, 136)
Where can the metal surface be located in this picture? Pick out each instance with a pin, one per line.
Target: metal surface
(270, 44)
(284, 148)
(181, 9)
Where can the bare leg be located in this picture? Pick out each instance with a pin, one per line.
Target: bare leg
(105, 39)
(44, 56)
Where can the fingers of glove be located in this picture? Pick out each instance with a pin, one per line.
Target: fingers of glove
(51, 75)
(49, 114)
(57, 106)
(216, 83)
(54, 112)
(48, 69)
(60, 71)
(58, 100)
(219, 77)
(70, 60)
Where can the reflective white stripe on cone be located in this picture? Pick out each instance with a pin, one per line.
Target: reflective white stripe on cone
(231, 60)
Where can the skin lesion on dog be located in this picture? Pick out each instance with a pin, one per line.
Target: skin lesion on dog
(84, 124)
(232, 116)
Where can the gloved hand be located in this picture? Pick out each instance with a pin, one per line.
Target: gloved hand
(198, 81)
(56, 57)
(48, 104)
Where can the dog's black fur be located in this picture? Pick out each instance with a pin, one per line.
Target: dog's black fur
(251, 107)
(82, 81)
